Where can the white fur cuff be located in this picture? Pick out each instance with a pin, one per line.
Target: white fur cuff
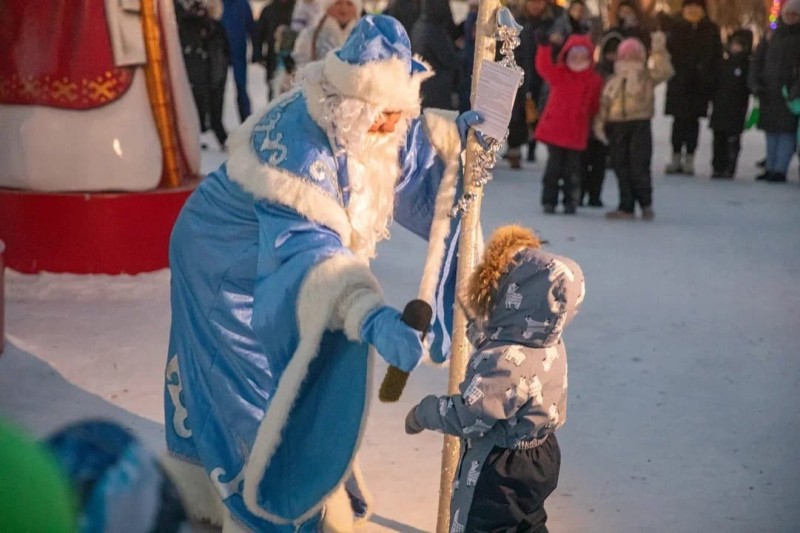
(355, 308)
(440, 125)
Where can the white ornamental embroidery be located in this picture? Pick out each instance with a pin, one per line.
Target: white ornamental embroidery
(550, 355)
(174, 389)
(532, 326)
(320, 171)
(513, 298)
(227, 488)
(478, 358)
(515, 356)
(473, 394)
(496, 334)
(473, 474)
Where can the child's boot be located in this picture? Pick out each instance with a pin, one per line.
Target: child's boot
(688, 165)
(675, 166)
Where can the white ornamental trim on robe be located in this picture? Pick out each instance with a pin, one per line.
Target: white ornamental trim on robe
(174, 389)
(550, 355)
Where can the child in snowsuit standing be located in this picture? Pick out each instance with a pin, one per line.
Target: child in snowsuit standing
(514, 396)
(730, 104)
(626, 109)
(564, 125)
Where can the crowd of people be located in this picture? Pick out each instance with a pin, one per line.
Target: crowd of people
(591, 107)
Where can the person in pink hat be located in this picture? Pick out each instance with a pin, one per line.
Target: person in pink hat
(627, 106)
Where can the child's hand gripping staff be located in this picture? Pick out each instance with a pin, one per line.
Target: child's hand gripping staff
(398, 338)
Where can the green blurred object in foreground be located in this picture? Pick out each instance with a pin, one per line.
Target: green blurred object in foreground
(34, 495)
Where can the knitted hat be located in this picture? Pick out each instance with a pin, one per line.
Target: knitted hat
(375, 65)
(631, 49)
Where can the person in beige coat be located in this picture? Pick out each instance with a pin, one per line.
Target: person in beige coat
(627, 106)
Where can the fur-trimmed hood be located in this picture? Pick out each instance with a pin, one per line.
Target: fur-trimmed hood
(522, 294)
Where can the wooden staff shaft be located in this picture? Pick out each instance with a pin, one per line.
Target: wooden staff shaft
(467, 259)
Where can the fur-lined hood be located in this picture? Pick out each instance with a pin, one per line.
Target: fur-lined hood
(522, 294)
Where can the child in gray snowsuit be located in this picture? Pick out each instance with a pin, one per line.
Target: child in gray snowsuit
(514, 395)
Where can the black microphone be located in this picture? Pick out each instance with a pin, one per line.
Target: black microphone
(417, 314)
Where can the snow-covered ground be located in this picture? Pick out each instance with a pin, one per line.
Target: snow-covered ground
(684, 362)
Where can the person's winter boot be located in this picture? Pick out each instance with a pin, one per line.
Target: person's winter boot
(514, 157)
(549, 209)
(688, 165)
(776, 177)
(648, 213)
(675, 166)
(764, 176)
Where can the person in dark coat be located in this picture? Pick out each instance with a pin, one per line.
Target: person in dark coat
(776, 66)
(406, 11)
(631, 22)
(205, 53)
(537, 18)
(237, 19)
(276, 14)
(467, 54)
(431, 38)
(694, 44)
(730, 104)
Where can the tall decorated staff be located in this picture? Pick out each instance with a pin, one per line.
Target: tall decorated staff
(494, 24)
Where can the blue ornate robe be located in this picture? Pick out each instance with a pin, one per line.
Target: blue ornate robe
(267, 381)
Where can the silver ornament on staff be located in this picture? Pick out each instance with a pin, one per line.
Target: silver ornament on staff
(494, 24)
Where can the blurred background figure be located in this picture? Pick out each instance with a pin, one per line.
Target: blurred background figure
(631, 22)
(730, 104)
(328, 32)
(305, 13)
(275, 17)
(573, 21)
(433, 38)
(537, 17)
(467, 53)
(406, 11)
(206, 55)
(694, 44)
(775, 67)
(237, 19)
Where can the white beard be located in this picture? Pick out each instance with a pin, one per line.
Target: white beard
(373, 159)
(373, 170)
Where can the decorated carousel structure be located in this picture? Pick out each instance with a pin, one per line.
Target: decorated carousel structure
(99, 134)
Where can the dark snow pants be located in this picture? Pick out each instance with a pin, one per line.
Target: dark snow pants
(563, 173)
(593, 163)
(512, 488)
(631, 146)
(727, 145)
(685, 132)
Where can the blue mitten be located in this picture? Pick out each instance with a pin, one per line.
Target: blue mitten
(464, 121)
(398, 344)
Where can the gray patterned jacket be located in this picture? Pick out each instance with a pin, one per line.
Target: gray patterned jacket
(515, 390)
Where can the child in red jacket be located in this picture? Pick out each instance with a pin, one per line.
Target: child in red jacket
(564, 126)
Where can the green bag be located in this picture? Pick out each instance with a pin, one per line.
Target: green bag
(755, 114)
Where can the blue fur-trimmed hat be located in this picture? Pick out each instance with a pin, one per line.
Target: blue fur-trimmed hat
(375, 64)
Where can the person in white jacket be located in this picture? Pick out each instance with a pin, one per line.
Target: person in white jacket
(328, 32)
